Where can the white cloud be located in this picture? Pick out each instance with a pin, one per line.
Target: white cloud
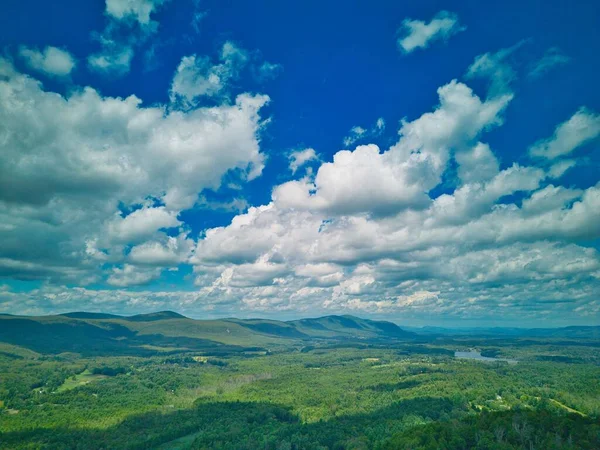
(497, 67)
(581, 128)
(418, 34)
(130, 275)
(197, 77)
(129, 25)
(559, 168)
(301, 157)
(141, 224)
(356, 238)
(172, 251)
(358, 133)
(366, 180)
(550, 198)
(60, 188)
(366, 231)
(477, 164)
(114, 59)
(553, 57)
(51, 61)
(139, 10)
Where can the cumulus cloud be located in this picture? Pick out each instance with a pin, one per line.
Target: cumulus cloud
(96, 191)
(366, 235)
(196, 77)
(130, 275)
(115, 58)
(168, 252)
(138, 10)
(51, 61)
(128, 26)
(300, 157)
(416, 34)
(477, 164)
(141, 224)
(581, 128)
(85, 154)
(367, 180)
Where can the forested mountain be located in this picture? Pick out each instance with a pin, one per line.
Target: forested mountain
(146, 334)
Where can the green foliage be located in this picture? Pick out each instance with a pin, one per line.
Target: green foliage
(326, 393)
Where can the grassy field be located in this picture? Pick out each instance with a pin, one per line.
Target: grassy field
(79, 380)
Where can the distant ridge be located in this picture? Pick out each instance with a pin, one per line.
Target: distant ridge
(350, 325)
(163, 332)
(160, 315)
(574, 331)
(90, 315)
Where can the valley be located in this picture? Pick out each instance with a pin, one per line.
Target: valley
(163, 381)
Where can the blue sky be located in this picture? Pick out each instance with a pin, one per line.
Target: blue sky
(425, 162)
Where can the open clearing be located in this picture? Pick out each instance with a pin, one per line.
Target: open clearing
(81, 379)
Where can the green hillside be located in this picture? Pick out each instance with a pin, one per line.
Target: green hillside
(349, 326)
(92, 334)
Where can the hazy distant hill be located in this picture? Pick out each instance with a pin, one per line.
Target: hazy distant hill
(579, 332)
(331, 326)
(167, 331)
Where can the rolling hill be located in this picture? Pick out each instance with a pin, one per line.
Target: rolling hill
(91, 334)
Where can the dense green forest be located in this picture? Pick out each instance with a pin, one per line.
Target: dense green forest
(162, 381)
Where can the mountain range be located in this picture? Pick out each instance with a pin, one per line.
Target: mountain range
(167, 331)
(164, 332)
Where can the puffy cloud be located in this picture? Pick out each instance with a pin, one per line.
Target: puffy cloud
(475, 199)
(581, 128)
(51, 61)
(63, 299)
(68, 162)
(477, 164)
(418, 34)
(129, 25)
(99, 182)
(115, 58)
(366, 180)
(550, 198)
(300, 157)
(358, 181)
(559, 168)
(130, 275)
(356, 238)
(197, 77)
(172, 251)
(139, 10)
(552, 58)
(141, 224)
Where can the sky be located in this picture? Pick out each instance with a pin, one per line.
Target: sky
(429, 163)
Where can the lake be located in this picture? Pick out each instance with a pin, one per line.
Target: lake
(477, 356)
